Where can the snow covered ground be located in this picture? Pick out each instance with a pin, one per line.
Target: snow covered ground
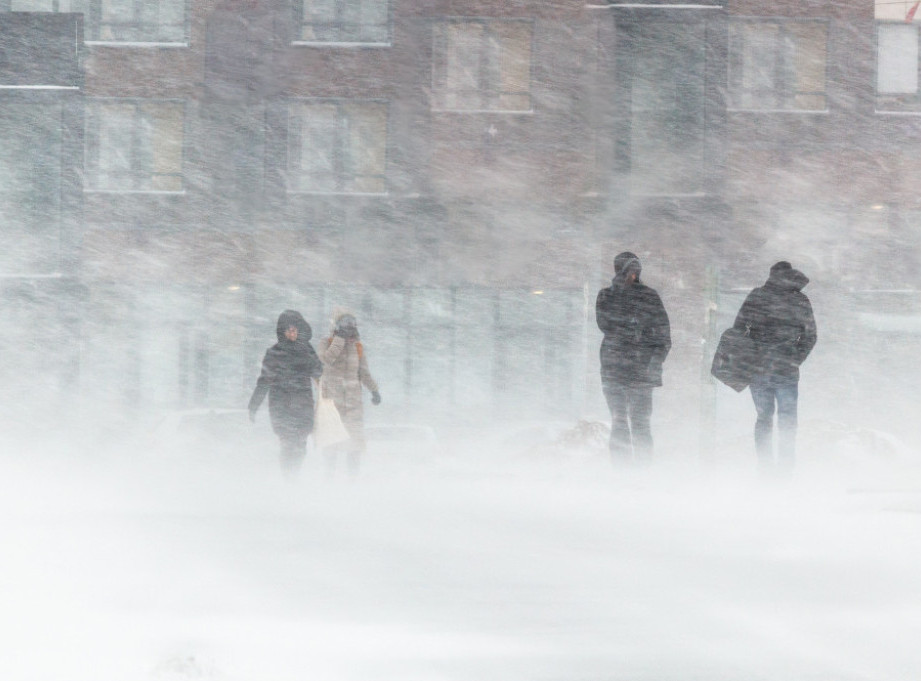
(478, 567)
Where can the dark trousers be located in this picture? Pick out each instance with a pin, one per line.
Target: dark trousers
(631, 411)
(770, 394)
(293, 452)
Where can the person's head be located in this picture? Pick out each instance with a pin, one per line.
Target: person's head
(347, 325)
(292, 326)
(627, 267)
(785, 276)
(781, 267)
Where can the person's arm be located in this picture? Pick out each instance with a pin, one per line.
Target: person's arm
(331, 348)
(745, 319)
(602, 312)
(364, 376)
(262, 386)
(810, 335)
(315, 369)
(661, 332)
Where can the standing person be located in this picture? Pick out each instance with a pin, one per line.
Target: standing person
(637, 338)
(287, 369)
(345, 371)
(778, 317)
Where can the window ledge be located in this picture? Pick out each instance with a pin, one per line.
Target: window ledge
(672, 195)
(39, 87)
(819, 112)
(310, 193)
(323, 43)
(883, 112)
(504, 112)
(134, 192)
(128, 43)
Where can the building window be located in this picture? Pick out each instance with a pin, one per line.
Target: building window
(342, 21)
(134, 146)
(31, 163)
(143, 21)
(337, 147)
(897, 67)
(778, 65)
(482, 65)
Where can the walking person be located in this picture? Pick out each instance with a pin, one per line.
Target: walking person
(637, 338)
(287, 368)
(345, 371)
(778, 317)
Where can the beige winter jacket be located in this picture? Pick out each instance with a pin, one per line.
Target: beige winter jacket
(345, 370)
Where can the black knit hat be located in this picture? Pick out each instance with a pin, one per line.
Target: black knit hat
(627, 263)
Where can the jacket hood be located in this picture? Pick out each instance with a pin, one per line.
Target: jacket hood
(626, 263)
(337, 316)
(784, 276)
(293, 318)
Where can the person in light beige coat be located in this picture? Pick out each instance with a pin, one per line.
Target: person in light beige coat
(345, 371)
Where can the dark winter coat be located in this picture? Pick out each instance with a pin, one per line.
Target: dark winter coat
(287, 369)
(778, 317)
(637, 335)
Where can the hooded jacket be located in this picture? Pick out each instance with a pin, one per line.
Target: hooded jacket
(637, 334)
(345, 371)
(287, 369)
(778, 317)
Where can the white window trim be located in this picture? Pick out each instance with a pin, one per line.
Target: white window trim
(39, 87)
(126, 43)
(798, 112)
(502, 112)
(152, 192)
(303, 192)
(320, 43)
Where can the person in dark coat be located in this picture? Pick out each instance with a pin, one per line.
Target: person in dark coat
(287, 370)
(637, 338)
(778, 317)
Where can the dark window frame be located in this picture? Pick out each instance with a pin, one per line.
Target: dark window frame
(342, 173)
(137, 175)
(342, 30)
(489, 85)
(783, 89)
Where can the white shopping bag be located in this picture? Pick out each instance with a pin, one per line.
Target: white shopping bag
(328, 428)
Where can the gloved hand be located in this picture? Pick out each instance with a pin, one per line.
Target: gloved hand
(375, 397)
(347, 327)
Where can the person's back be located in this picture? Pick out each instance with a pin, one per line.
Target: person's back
(778, 317)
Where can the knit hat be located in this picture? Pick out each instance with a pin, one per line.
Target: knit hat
(627, 263)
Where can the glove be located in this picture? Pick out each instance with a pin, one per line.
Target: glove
(375, 397)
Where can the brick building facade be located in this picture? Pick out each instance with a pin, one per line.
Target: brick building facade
(458, 172)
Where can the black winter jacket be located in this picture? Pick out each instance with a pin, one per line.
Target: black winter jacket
(778, 317)
(286, 372)
(637, 335)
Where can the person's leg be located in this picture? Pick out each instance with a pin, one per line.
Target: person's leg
(787, 399)
(293, 450)
(619, 444)
(763, 395)
(640, 406)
